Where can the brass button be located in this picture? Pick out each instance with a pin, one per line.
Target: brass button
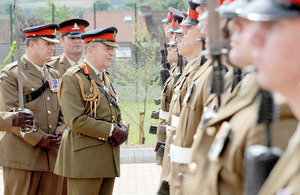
(211, 131)
(48, 99)
(110, 104)
(49, 112)
(205, 109)
(32, 89)
(50, 126)
(195, 137)
(193, 167)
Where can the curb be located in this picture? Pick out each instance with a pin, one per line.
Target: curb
(137, 155)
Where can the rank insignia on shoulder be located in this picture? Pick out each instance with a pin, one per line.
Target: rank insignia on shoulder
(220, 142)
(86, 69)
(284, 191)
(3, 75)
(189, 93)
(54, 84)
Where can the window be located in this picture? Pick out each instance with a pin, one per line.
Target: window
(128, 18)
(124, 52)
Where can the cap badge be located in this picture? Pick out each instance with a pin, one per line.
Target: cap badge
(75, 27)
(114, 36)
(54, 33)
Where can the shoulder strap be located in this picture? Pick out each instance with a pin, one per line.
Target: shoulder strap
(37, 93)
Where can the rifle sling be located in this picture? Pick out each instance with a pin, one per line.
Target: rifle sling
(37, 93)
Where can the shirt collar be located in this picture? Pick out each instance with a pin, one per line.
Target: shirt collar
(40, 68)
(72, 63)
(93, 67)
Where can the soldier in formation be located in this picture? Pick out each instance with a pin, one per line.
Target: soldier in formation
(208, 152)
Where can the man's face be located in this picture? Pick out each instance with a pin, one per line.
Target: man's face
(103, 55)
(276, 54)
(172, 54)
(72, 46)
(203, 26)
(42, 50)
(201, 9)
(167, 27)
(189, 41)
(240, 53)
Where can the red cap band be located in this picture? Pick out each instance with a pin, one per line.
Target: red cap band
(193, 14)
(170, 17)
(74, 28)
(46, 32)
(107, 36)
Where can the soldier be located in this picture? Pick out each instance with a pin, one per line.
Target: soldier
(70, 31)
(89, 155)
(276, 29)
(167, 23)
(167, 91)
(191, 49)
(20, 118)
(28, 160)
(166, 95)
(217, 153)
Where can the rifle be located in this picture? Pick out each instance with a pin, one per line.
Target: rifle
(217, 81)
(179, 64)
(164, 72)
(259, 160)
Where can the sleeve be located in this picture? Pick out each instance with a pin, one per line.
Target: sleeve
(73, 109)
(5, 121)
(9, 98)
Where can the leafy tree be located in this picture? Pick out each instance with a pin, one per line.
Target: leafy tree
(143, 75)
(157, 5)
(103, 5)
(60, 12)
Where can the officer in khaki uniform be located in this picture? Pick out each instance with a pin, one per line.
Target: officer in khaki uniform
(189, 48)
(70, 31)
(275, 29)
(217, 153)
(28, 160)
(167, 93)
(89, 155)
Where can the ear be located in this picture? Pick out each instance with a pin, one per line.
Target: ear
(32, 44)
(61, 41)
(90, 50)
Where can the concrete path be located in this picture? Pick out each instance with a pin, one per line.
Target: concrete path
(139, 173)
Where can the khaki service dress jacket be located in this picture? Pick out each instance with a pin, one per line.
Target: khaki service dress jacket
(180, 89)
(85, 151)
(60, 63)
(166, 96)
(5, 121)
(234, 128)
(284, 179)
(21, 152)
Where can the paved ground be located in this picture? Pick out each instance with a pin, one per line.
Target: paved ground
(136, 179)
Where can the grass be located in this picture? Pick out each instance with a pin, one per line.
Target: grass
(130, 114)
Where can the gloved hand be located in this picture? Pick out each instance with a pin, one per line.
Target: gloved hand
(22, 117)
(50, 141)
(119, 135)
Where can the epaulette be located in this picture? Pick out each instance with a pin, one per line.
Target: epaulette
(74, 69)
(11, 65)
